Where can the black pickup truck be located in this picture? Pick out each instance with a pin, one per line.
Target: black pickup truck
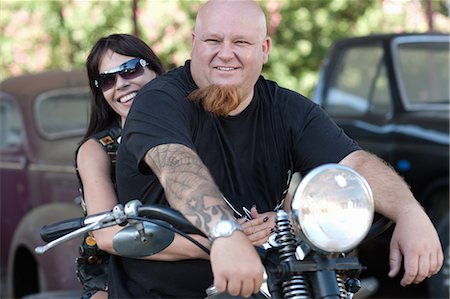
(390, 93)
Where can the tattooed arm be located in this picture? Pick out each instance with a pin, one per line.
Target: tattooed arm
(190, 188)
(188, 185)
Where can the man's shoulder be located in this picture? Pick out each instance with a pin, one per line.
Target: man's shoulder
(167, 79)
(281, 95)
(165, 92)
(175, 82)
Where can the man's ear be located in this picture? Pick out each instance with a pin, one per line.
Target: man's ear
(266, 46)
(193, 37)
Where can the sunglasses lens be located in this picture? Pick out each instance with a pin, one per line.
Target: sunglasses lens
(129, 70)
(132, 69)
(106, 81)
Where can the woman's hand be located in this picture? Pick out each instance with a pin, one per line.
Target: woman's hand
(259, 228)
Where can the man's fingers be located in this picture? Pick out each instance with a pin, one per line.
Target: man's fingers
(411, 265)
(424, 269)
(220, 283)
(243, 265)
(436, 261)
(234, 287)
(434, 265)
(258, 283)
(243, 288)
(247, 288)
(395, 259)
(440, 261)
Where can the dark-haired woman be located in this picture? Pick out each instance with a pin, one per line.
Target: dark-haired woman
(118, 66)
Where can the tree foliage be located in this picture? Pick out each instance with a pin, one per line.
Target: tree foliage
(305, 32)
(42, 35)
(50, 34)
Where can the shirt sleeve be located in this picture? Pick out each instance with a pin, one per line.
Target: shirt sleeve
(156, 118)
(318, 140)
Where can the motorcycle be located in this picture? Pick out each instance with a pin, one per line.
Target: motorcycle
(307, 256)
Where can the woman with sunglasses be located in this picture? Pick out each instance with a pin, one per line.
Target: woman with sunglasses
(118, 66)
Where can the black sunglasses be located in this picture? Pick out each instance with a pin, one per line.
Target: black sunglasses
(129, 70)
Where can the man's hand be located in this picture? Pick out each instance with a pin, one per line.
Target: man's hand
(236, 266)
(259, 228)
(416, 241)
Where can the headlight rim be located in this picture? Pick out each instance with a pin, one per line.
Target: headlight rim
(305, 183)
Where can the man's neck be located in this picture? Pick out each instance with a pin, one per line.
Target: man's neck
(244, 104)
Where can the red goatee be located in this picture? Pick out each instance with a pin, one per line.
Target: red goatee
(218, 100)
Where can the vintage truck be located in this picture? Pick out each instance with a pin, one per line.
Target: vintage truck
(391, 94)
(42, 118)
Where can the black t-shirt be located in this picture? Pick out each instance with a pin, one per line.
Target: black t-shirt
(251, 156)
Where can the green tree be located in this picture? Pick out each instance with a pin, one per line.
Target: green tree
(304, 35)
(39, 35)
(57, 34)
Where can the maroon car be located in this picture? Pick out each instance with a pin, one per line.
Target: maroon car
(42, 117)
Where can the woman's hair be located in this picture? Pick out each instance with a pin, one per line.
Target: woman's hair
(102, 115)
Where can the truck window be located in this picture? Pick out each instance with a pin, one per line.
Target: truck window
(62, 113)
(423, 73)
(11, 129)
(359, 83)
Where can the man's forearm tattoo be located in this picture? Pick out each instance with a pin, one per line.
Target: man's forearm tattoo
(188, 185)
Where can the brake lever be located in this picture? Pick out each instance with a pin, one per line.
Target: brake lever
(92, 223)
(76, 233)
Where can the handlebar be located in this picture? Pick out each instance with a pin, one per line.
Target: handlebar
(57, 233)
(54, 231)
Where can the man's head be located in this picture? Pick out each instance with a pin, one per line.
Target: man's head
(229, 46)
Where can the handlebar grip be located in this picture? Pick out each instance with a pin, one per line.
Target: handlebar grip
(53, 231)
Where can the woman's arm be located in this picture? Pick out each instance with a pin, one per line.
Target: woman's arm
(94, 167)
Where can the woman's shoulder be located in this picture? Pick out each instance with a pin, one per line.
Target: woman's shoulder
(91, 153)
(106, 140)
(91, 161)
(90, 147)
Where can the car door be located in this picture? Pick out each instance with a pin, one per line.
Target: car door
(13, 178)
(358, 95)
(421, 150)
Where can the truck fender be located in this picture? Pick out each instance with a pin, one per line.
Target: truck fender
(28, 272)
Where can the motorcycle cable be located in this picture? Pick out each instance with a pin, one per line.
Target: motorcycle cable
(171, 228)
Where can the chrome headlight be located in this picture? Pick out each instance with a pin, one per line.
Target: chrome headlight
(333, 207)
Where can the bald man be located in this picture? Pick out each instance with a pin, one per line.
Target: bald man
(218, 142)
